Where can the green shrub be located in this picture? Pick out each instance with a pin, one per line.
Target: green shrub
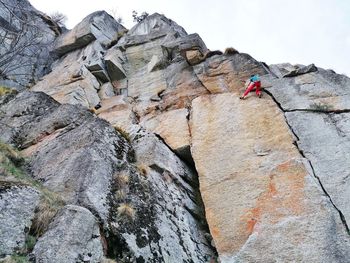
(30, 243)
(10, 160)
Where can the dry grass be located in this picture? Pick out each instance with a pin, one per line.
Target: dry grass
(50, 203)
(48, 207)
(126, 210)
(230, 51)
(10, 162)
(123, 133)
(143, 169)
(5, 91)
(120, 194)
(10, 153)
(92, 110)
(108, 260)
(122, 179)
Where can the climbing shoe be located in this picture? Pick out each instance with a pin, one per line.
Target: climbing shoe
(97, 106)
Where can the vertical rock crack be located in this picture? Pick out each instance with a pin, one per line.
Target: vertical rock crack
(341, 215)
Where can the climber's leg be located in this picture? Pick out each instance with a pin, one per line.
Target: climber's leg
(249, 89)
(258, 90)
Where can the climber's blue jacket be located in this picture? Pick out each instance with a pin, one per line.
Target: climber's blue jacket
(255, 78)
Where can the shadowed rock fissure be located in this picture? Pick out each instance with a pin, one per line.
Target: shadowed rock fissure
(319, 111)
(341, 215)
(197, 197)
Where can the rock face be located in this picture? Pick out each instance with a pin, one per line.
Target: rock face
(172, 126)
(323, 90)
(17, 204)
(256, 189)
(89, 164)
(168, 229)
(73, 236)
(168, 162)
(327, 151)
(227, 73)
(320, 121)
(98, 26)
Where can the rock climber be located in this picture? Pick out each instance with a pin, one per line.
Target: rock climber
(254, 82)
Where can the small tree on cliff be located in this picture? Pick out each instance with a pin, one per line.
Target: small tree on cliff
(59, 18)
(114, 12)
(139, 18)
(23, 42)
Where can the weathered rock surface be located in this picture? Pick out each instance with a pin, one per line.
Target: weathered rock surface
(73, 236)
(154, 23)
(89, 164)
(301, 70)
(328, 151)
(71, 151)
(17, 204)
(96, 26)
(314, 103)
(172, 126)
(227, 74)
(70, 81)
(261, 201)
(118, 112)
(323, 90)
(177, 235)
(26, 37)
(267, 198)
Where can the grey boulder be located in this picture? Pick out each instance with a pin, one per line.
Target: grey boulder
(73, 236)
(98, 25)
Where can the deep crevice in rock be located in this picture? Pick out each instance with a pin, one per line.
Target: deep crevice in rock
(341, 215)
(319, 111)
(197, 197)
(202, 218)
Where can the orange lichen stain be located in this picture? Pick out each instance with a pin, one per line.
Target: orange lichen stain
(283, 197)
(215, 232)
(40, 141)
(213, 227)
(272, 187)
(251, 224)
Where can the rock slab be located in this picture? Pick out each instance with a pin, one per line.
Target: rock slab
(17, 205)
(262, 202)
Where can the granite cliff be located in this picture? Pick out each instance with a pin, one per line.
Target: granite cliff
(171, 166)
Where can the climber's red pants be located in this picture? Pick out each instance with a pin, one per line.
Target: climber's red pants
(251, 86)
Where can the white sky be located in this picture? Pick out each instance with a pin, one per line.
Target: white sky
(273, 31)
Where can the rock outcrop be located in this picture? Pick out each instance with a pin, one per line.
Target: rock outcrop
(256, 187)
(17, 203)
(143, 137)
(92, 166)
(98, 26)
(74, 236)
